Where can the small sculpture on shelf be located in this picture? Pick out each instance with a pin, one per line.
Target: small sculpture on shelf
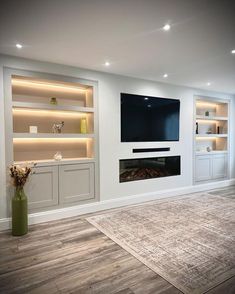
(207, 113)
(208, 149)
(57, 127)
(197, 128)
(58, 156)
(209, 132)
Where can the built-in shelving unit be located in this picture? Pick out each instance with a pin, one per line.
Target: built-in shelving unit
(211, 138)
(34, 104)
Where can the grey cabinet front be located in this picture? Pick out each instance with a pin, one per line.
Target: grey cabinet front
(76, 182)
(203, 168)
(42, 188)
(219, 165)
(211, 167)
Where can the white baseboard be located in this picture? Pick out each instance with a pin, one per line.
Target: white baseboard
(77, 210)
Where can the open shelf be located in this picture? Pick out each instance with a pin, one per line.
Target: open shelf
(212, 152)
(215, 126)
(23, 118)
(25, 89)
(203, 117)
(46, 106)
(208, 108)
(44, 149)
(51, 136)
(211, 136)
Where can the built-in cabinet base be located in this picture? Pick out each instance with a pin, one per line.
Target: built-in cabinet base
(54, 186)
(211, 167)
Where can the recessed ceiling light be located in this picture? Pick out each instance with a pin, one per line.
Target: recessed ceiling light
(208, 84)
(166, 27)
(107, 63)
(165, 76)
(233, 51)
(19, 46)
(146, 98)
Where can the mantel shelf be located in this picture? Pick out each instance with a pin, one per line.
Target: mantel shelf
(44, 106)
(51, 135)
(203, 117)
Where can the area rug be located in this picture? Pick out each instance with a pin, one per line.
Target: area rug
(188, 240)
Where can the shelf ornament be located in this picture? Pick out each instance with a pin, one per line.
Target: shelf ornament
(58, 156)
(83, 126)
(57, 127)
(53, 101)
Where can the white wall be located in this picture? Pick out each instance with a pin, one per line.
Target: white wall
(111, 150)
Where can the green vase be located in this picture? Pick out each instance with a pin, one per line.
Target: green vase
(19, 213)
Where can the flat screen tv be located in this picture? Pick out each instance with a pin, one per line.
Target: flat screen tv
(149, 119)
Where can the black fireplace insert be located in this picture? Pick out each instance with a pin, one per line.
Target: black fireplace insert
(148, 168)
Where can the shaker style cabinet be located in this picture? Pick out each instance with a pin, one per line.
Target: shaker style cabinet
(76, 183)
(210, 167)
(219, 166)
(42, 188)
(203, 168)
(55, 185)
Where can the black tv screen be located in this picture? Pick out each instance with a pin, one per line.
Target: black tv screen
(149, 119)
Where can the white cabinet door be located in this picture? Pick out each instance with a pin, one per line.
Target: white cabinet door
(219, 166)
(42, 187)
(203, 168)
(76, 182)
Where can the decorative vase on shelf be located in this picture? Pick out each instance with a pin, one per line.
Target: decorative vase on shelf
(19, 213)
(83, 126)
(53, 101)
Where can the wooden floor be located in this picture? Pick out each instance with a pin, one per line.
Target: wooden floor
(71, 256)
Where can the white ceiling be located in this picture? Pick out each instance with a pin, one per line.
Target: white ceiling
(128, 34)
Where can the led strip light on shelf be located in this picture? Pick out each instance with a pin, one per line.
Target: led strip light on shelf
(49, 140)
(43, 113)
(208, 104)
(208, 138)
(32, 84)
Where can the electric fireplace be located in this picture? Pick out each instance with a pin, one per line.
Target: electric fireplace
(148, 168)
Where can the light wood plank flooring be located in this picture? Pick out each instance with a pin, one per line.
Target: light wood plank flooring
(71, 256)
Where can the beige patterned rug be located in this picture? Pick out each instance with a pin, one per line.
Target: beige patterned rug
(188, 240)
